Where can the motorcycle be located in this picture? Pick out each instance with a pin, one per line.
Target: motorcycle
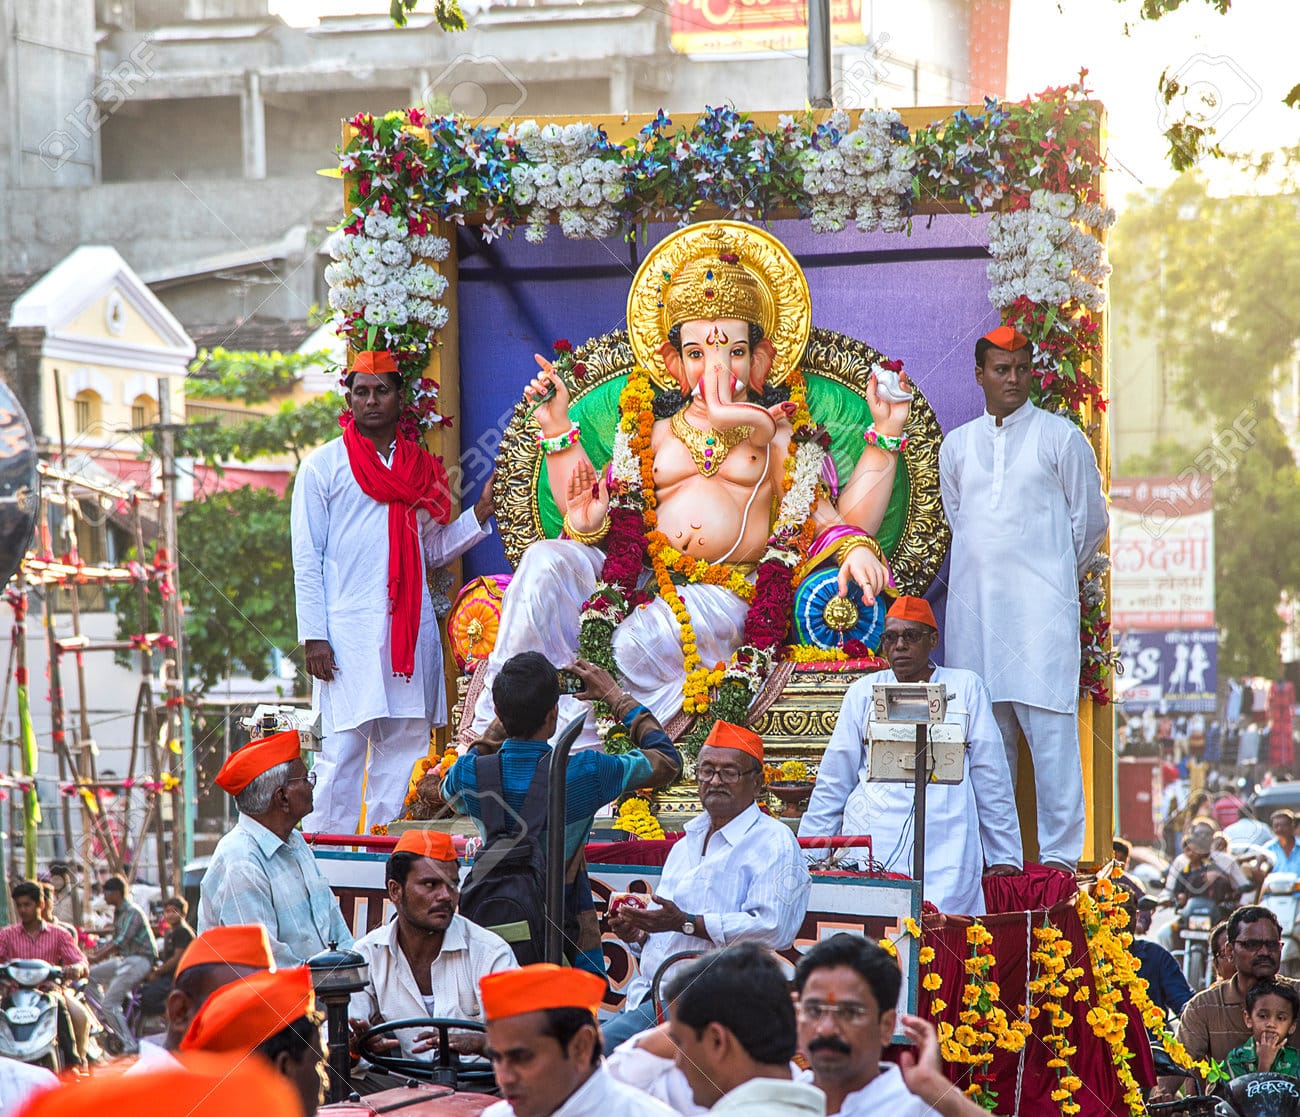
(1249, 1095)
(29, 1014)
(1189, 936)
(1281, 895)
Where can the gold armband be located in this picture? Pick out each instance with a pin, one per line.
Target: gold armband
(590, 538)
(855, 541)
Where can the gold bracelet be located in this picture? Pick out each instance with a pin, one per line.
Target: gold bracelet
(590, 538)
(855, 541)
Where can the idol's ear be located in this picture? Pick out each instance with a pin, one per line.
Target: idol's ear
(673, 363)
(760, 365)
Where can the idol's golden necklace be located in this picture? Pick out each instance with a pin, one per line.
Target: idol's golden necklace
(709, 447)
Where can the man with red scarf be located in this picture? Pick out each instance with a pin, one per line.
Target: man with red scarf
(370, 515)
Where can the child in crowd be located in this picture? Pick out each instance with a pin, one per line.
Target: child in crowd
(1271, 1012)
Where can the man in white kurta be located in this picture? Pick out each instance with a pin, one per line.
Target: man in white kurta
(544, 1043)
(375, 724)
(1022, 492)
(969, 826)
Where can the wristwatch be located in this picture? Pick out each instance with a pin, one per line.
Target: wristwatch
(689, 924)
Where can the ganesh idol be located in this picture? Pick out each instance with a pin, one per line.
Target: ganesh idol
(679, 559)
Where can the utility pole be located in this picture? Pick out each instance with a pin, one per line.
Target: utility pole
(819, 54)
(174, 685)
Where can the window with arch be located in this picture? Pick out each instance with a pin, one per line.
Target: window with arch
(87, 409)
(144, 412)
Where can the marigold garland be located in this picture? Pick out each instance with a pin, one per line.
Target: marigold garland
(1052, 978)
(634, 538)
(983, 1024)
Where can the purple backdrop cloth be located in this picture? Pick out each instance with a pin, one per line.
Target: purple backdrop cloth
(921, 298)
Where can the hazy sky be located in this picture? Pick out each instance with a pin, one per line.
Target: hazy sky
(1244, 61)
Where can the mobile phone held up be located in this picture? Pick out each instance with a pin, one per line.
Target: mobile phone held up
(570, 683)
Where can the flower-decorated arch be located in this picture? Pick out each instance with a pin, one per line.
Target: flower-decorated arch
(1031, 172)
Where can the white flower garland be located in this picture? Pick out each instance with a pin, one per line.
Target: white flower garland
(1047, 252)
(865, 177)
(381, 274)
(563, 181)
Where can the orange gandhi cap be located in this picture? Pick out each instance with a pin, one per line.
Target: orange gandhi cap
(374, 361)
(246, 764)
(539, 987)
(205, 1086)
(913, 609)
(433, 844)
(246, 1013)
(724, 735)
(1007, 337)
(242, 944)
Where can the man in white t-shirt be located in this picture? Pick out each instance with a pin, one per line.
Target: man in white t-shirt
(847, 989)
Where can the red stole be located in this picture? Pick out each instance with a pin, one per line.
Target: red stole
(416, 480)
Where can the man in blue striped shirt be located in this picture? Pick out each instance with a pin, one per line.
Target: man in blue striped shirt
(526, 693)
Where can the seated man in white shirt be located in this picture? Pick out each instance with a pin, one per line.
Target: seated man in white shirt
(971, 828)
(737, 874)
(262, 871)
(848, 989)
(544, 1043)
(732, 1019)
(428, 959)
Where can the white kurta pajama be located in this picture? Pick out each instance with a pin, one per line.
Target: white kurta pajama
(967, 825)
(375, 724)
(540, 613)
(1027, 513)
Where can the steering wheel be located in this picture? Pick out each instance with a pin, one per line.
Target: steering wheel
(448, 1070)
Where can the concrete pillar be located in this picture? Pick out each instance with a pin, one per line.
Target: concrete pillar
(419, 91)
(621, 87)
(252, 126)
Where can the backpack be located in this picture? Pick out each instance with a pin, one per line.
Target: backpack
(506, 887)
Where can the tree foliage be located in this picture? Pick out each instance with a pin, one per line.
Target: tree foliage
(1215, 281)
(1191, 135)
(252, 379)
(235, 564)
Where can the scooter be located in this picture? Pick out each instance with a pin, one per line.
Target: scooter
(1280, 894)
(29, 1015)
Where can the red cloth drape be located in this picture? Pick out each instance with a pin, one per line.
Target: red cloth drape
(1016, 905)
(414, 481)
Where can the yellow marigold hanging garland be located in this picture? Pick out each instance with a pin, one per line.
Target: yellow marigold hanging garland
(1052, 979)
(982, 1022)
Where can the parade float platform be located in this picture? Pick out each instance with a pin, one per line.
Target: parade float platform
(940, 957)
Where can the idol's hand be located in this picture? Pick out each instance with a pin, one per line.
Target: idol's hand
(888, 417)
(553, 415)
(587, 498)
(782, 412)
(861, 565)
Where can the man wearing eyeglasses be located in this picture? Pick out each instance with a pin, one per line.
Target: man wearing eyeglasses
(1214, 1021)
(736, 875)
(847, 992)
(262, 871)
(971, 828)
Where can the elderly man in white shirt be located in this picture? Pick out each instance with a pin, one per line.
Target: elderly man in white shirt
(428, 959)
(262, 872)
(1023, 494)
(971, 828)
(736, 874)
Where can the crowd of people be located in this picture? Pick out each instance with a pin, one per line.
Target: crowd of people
(735, 1035)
